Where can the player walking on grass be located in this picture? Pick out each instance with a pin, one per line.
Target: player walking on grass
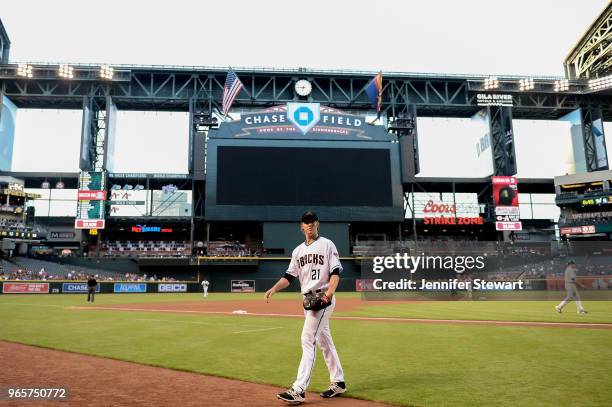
(570, 288)
(317, 266)
(91, 288)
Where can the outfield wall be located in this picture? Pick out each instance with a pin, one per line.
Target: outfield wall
(80, 287)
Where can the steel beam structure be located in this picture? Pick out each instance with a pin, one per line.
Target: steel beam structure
(592, 55)
(502, 141)
(173, 88)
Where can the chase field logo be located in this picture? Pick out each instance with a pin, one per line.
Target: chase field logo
(311, 121)
(304, 116)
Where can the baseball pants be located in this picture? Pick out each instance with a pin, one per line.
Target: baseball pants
(572, 293)
(316, 331)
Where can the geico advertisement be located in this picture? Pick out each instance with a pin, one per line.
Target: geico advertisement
(172, 288)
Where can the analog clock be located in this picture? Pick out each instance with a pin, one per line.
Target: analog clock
(303, 87)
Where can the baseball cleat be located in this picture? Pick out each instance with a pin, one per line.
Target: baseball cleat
(291, 397)
(559, 310)
(334, 390)
(582, 312)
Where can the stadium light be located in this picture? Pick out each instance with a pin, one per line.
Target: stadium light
(24, 70)
(106, 72)
(562, 85)
(601, 83)
(526, 84)
(491, 83)
(66, 71)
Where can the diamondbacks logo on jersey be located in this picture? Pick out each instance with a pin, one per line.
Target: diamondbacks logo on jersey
(312, 258)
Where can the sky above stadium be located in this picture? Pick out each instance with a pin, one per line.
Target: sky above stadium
(477, 36)
(523, 37)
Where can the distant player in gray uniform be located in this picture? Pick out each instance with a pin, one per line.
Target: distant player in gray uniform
(570, 288)
(316, 265)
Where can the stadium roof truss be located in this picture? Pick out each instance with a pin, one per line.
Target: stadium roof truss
(174, 88)
(591, 57)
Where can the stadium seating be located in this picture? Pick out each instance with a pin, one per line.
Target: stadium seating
(225, 248)
(150, 248)
(30, 270)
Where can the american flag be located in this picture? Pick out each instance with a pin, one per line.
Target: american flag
(230, 91)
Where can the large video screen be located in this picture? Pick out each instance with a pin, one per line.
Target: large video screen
(303, 176)
(7, 133)
(544, 148)
(455, 147)
(47, 140)
(149, 142)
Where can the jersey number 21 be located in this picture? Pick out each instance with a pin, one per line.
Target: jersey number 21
(315, 274)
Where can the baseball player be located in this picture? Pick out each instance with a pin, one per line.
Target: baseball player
(205, 285)
(91, 288)
(316, 265)
(570, 288)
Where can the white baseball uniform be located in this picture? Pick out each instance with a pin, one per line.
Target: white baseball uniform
(570, 288)
(313, 265)
(205, 285)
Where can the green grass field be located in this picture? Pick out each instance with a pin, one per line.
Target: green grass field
(402, 363)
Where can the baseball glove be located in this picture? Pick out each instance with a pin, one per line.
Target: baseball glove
(315, 301)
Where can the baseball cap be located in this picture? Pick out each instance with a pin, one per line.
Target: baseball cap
(309, 217)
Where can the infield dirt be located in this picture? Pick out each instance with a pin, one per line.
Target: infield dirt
(95, 382)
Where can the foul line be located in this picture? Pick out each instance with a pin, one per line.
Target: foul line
(374, 319)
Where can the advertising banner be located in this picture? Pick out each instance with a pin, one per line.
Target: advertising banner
(577, 230)
(505, 199)
(243, 286)
(441, 213)
(601, 282)
(89, 224)
(130, 288)
(77, 288)
(25, 288)
(91, 195)
(364, 285)
(172, 288)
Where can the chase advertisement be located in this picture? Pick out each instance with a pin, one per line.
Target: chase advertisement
(77, 288)
(301, 121)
